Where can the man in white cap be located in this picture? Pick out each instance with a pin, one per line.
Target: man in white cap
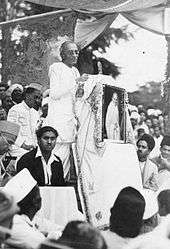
(8, 134)
(26, 193)
(16, 93)
(26, 116)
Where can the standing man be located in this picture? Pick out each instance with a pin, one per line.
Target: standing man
(25, 115)
(42, 163)
(63, 76)
(149, 170)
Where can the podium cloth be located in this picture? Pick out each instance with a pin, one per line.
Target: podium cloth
(59, 205)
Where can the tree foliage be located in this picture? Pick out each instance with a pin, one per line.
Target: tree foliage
(148, 95)
(87, 59)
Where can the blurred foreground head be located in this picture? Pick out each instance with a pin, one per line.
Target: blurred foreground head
(127, 213)
(159, 238)
(80, 235)
(8, 208)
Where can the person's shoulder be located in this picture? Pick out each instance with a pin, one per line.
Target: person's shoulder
(30, 154)
(16, 107)
(152, 164)
(57, 65)
(57, 159)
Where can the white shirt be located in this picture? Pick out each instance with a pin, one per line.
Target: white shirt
(156, 150)
(47, 166)
(24, 233)
(142, 165)
(61, 100)
(27, 118)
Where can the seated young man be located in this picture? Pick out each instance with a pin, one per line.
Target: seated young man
(163, 161)
(149, 170)
(43, 164)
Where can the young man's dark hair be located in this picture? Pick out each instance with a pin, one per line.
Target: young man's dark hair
(44, 129)
(149, 140)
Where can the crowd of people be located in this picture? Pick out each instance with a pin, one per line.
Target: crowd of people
(37, 131)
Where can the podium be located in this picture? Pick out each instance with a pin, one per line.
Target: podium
(59, 205)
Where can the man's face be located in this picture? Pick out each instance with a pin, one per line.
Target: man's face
(148, 122)
(165, 151)
(3, 115)
(7, 103)
(142, 116)
(71, 54)
(17, 95)
(143, 150)
(35, 99)
(47, 142)
(157, 131)
(133, 122)
(155, 121)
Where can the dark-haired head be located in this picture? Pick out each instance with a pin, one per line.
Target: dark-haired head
(127, 213)
(32, 97)
(149, 140)
(44, 129)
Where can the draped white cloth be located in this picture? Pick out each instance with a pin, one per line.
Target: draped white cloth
(153, 15)
(101, 176)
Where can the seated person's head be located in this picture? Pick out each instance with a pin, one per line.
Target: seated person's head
(82, 235)
(31, 202)
(17, 95)
(145, 145)
(8, 208)
(165, 147)
(3, 114)
(164, 202)
(127, 213)
(46, 137)
(25, 192)
(157, 131)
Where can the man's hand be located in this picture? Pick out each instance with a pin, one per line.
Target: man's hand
(82, 79)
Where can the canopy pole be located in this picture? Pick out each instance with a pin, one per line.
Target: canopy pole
(167, 89)
(27, 18)
(167, 85)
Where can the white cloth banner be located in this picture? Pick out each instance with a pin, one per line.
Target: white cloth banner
(151, 19)
(88, 30)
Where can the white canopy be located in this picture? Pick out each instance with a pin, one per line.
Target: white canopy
(153, 15)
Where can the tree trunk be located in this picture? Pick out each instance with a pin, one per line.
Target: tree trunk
(3, 14)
